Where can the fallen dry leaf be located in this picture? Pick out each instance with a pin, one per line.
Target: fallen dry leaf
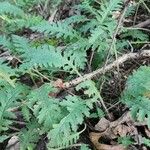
(121, 127)
(95, 139)
(58, 84)
(110, 131)
(102, 125)
(122, 130)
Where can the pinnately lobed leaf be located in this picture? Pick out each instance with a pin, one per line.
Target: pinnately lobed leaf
(137, 94)
(7, 8)
(25, 38)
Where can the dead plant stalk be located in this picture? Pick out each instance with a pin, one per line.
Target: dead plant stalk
(103, 70)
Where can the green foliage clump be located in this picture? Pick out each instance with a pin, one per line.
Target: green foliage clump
(63, 53)
(137, 94)
(125, 141)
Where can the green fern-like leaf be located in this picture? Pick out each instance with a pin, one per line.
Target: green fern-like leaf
(48, 56)
(43, 56)
(87, 7)
(27, 21)
(136, 35)
(28, 137)
(130, 10)
(146, 141)
(109, 7)
(3, 138)
(69, 114)
(26, 4)
(84, 147)
(26, 112)
(76, 53)
(5, 42)
(8, 100)
(7, 8)
(136, 95)
(67, 128)
(103, 25)
(58, 29)
(61, 142)
(89, 89)
(6, 73)
(75, 19)
(21, 44)
(125, 141)
(43, 105)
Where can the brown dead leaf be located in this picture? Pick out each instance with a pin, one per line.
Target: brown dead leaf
(121, 127)
(147, 131)
(110, 131)
(122, 130)
(58, 84)
(94, 137)
(102, 125)
(52, 94)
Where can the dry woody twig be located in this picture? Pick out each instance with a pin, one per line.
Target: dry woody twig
(100, 71)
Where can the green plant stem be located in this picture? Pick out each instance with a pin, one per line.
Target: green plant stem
(115, 33)
(140, 42)
(41, 75)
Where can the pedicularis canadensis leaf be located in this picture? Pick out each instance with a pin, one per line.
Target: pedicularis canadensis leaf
(34, 52)
(136, 94)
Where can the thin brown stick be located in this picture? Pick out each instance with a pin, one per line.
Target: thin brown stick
(143, 24)
(103, 70)
(136, 13)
